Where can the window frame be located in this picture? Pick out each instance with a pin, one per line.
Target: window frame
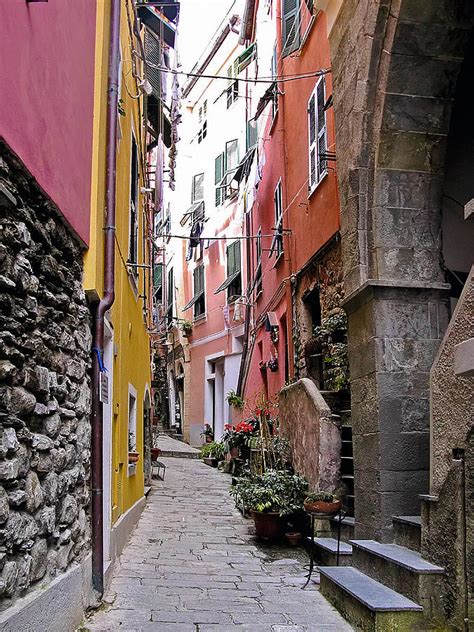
(287, 15)
(195, 199)
(232, 83)
(236, 284)
(170, 297)
(277, 244)
(202, 121)
(218, 176)
(320, 133)
(200, 294)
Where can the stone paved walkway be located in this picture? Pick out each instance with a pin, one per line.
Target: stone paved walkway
(192, 565)
(176, 448)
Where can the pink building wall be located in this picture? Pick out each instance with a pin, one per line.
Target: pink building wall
(47, 97)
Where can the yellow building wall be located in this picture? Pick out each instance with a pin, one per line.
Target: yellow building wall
(131, 340)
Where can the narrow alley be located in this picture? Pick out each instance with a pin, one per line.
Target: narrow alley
(192, 564)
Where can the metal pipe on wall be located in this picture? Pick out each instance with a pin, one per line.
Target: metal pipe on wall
(106, 302)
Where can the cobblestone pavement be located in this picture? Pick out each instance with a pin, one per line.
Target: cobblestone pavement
(168, 444)
(192, 565)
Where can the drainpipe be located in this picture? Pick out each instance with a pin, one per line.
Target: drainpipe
(106, 302)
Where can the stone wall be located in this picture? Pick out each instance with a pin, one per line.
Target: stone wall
(448, 518)
(45, 342)
(325, 275)
(314, 436)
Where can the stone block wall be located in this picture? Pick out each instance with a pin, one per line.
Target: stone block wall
(45, 341)
(313, 434)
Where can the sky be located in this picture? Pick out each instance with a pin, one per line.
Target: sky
(198, 22)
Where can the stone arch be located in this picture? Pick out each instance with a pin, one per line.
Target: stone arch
(395, 68)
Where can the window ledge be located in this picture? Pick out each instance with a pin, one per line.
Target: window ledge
(199, 319)
(323, 177)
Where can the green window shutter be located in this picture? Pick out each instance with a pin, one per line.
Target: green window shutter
(291, 26)
(233, 258)
(246, 58)
(198, 280)
(157, 275)
(219, 168)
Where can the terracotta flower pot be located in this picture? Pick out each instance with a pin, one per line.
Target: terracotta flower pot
(323, 507)
(293, 538)
(268, 524)
(155, 453)
(133, 457)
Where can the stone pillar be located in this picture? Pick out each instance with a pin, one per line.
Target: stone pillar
(394, 70)
(393, 336)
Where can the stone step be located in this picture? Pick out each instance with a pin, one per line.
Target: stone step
(407, 531)
(401, 569)
(367, 604)
(325, 551)
(347, 528)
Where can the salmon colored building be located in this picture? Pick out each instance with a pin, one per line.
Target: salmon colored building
(297, 278)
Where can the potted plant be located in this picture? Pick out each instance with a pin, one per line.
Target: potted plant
(187, 328)
(235, 400)
(269, 497)
(133, 455)
(212, 453)
(155, 453)
(293, 538)
(207, 434)
(321, 502)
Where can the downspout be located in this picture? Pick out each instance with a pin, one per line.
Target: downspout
(105, 303)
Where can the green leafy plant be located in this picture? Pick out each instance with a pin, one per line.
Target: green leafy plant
(186, 327)
(332, 336)
(321, 496)
(233, 399)
(275, 490)
(214, 450)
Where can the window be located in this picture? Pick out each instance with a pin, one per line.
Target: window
(317, 135)
(170, 301)
(258, 273)
(132, 419)
(219, 174)
(246, 58)
(277, 244)
(233, 83)
(158, 282)
(202, 133)
(197, 193)
(199, 299)
(231, 154)
(233, 282)
(133, 226)
(291, 26)
(252, 134)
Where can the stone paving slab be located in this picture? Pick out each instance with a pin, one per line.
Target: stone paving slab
(173, 447)
(193, 565)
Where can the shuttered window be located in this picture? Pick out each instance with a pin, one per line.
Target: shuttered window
(291, 26)
(197, 193)
(199, 298)
(258, 273)
(233, 282)
(170, 297)
(233, 83)
(277, 243)
(218, 175)
(133, 219)
(231, 154)
(317, 135)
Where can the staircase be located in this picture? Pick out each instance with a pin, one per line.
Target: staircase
(388, 586)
